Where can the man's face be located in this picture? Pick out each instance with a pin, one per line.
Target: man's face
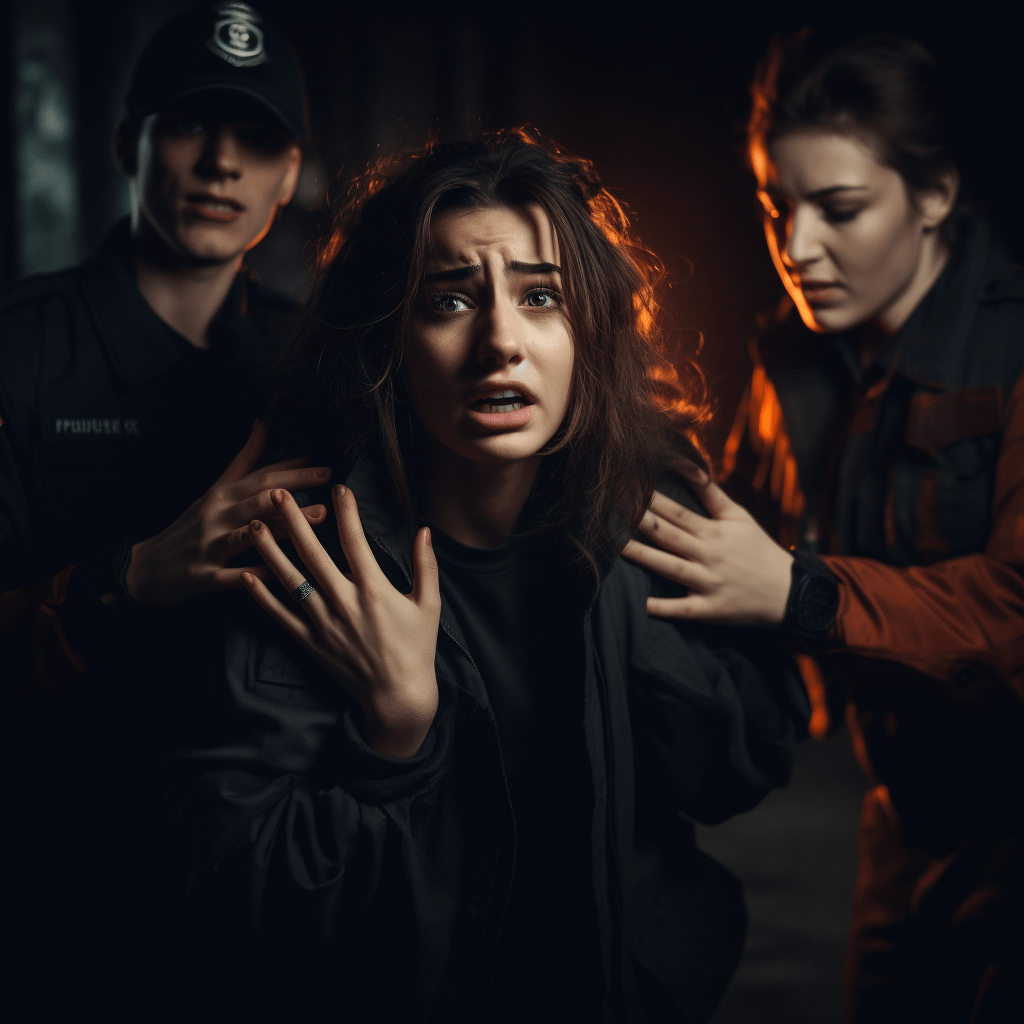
(209, 183)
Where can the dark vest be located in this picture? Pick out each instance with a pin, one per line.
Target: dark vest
(897, 463)
(913, 479)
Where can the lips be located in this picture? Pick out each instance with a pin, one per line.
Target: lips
(207, 206)
(501, 406)
(819, 293)
(508, 400)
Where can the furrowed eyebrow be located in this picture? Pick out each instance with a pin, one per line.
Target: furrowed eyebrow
(455, 274)
(515, 267)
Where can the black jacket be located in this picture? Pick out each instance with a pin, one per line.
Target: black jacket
(374, 888)
(897, 462)
(111, 425)
(908, 477)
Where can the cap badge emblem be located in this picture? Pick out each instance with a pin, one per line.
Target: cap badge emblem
(237, 37)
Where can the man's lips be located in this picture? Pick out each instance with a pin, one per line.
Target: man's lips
(207, 206)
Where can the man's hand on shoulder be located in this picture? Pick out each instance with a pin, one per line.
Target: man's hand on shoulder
(190, 557)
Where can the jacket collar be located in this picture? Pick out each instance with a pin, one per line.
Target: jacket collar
(140, 345)
(392, 531)
(382, 514)
(933, 344)
(390, 525)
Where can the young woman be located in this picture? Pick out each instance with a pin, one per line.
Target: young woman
(454, 780)
(884, 424)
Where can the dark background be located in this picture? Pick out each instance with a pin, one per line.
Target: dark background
(656, 97)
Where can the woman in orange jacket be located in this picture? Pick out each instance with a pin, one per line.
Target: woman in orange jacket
(881, 440)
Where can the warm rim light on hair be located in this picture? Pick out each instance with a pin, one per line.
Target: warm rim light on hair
(630, 409)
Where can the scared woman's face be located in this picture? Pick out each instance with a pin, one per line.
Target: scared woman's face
(489, 354)
(849, 242)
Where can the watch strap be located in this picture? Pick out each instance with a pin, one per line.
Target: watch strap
(812, 604)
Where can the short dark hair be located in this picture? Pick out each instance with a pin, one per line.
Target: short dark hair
(628, 404)
(885, 86)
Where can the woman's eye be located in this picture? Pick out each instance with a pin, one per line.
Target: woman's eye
(444, 303)
(840, 216)
(542, 298)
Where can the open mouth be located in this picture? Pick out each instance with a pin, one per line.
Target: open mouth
(500, 401)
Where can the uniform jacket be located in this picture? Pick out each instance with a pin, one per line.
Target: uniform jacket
(111, 425)
(909, 478)
(381, 883)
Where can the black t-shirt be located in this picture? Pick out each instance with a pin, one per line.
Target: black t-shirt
(523, 627)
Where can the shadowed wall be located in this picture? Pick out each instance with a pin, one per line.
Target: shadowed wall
(657, 100)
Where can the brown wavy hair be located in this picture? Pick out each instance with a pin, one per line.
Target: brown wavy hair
(629, 408)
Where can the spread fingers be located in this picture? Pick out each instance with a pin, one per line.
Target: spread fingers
(240, 539)
(326, 574)
(280, 565)
(296, 479)
(292, 622)
(676, 514)
(365, 570)
(670, 566)
(661, 533)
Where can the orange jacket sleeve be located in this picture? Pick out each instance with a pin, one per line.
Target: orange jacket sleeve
(939, 617)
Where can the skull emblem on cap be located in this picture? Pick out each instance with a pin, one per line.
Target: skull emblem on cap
(237, 37)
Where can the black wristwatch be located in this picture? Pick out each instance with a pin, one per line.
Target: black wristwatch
(812, 603)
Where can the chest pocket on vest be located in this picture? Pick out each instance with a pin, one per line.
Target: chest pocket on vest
(948, 504)
(282, 677)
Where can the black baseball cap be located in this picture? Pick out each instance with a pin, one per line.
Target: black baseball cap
(224, 48)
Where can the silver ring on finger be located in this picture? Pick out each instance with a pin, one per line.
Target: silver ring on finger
(302, 591)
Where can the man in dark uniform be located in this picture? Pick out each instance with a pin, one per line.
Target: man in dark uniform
(126, 386)
(128, 383)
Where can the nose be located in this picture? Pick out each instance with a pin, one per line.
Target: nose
(803, 243)
(221, 159)
(499, 341)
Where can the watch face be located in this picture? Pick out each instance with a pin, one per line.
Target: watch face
(817, 604)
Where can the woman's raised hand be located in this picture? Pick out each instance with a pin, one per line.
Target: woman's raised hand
(734, 572)
(374, 640)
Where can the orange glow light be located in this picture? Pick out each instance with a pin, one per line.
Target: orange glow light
(810, 671)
